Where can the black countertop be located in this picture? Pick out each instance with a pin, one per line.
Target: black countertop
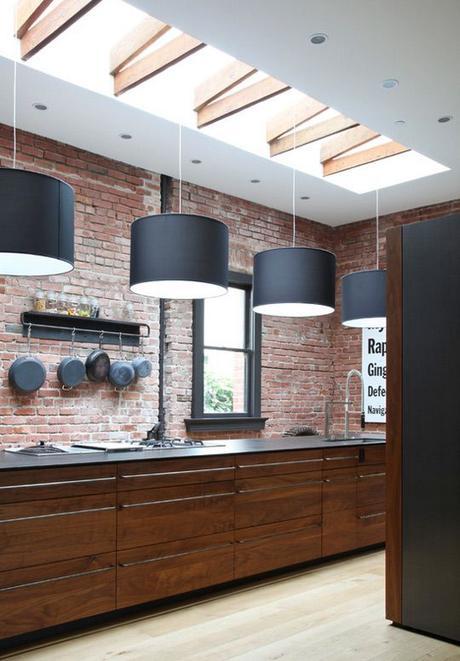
(11, 461)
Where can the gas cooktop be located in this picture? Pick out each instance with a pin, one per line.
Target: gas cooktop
(177, 444)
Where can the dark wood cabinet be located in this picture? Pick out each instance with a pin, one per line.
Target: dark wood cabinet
(83, 540)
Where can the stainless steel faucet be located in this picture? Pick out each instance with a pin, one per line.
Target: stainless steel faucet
(350, 374)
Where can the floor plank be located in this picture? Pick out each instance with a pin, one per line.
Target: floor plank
(333, 612)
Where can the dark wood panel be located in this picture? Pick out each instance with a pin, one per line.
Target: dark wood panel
(264, 548)
(340, 457)
(173, 513)
(56, 593)
(339, 531)
(171, 472)
(164, 570)
(277, 498)
(339, 490)
(59, 482)
(370, 485)
(278, 463)
(393, 452)
(372, 454)
(370, 525)
(48, 531)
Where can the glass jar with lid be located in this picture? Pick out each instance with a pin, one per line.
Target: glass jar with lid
(39, 301)
(62, 303)
(94, 307)
(51, 302)
(84, 307)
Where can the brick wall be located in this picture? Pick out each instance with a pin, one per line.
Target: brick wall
(302, 359)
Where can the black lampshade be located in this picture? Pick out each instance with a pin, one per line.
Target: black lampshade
(364, 299)
(176, 255)
(37, 224)
(294, 282)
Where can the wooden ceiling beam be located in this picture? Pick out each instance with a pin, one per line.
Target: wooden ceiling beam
(345, 141)
(299, 113)
(363, 157)
(245, 98)
(53, 24)
(311, 134)
(221, 82)
(134, 42)
(155, 62)
(27, 12)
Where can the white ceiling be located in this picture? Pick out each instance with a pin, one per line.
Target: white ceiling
(414, 41)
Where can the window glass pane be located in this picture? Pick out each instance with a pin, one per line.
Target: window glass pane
(224, 381)
(224, 318)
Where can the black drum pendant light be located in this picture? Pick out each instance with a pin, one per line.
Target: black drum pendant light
(37, 220)
(364, 293)
(177, 255)
(294, 281)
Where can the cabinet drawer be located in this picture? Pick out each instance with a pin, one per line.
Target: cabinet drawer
(277, 498)
(372, 454)
(340, 457)
(370, 486)
(371, 525)
(164, 570)
(278, 463)
(171, 472)
(51, 530)
(339, 490)
(339, 531)
(44, 596)
(162, 515)
(63, 482)
(263, 548)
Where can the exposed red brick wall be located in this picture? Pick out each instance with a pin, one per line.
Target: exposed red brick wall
(108, 196)
(302, 359)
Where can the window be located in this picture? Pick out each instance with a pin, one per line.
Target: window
(226, 361)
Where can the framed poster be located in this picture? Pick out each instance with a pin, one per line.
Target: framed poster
(374, 370)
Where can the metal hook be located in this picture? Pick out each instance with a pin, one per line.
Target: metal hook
(73, 342)
(101, 339)
(29, 333)
(120, 345)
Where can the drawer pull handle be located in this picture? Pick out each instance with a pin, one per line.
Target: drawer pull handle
(190, 472)
(281, 463)
(174, 555)
(371, 516)
(341, 458)
(365, 476)
(246, 540)
(49, 516)
(348, 478)
(58, 484)
(58, 578)
(281, 486)
(177, 500)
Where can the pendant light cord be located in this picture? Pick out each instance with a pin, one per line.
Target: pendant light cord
(293, 187)
(377, 226)
(14, 113)
(180, 167)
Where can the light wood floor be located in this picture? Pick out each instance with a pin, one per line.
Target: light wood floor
(332, 612)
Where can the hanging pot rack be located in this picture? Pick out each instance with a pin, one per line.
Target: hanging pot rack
(50, 326)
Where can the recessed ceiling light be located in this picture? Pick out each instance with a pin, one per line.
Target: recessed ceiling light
(125, 136)
(389, 83)
(255, 181)
(318, 38)
(304, 197)
(444, 119)
(196, 161)
(400, 122)
(40, 106)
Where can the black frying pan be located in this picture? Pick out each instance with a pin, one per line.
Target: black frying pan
(27, 374)
(98, 364)
(71, 370)
(121, 373)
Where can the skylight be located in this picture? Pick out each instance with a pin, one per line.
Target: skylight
(81, 55)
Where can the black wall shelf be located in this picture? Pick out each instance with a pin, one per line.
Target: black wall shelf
(51, 326)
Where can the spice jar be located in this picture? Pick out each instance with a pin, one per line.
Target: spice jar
(51, 302)
(39, 302)
(84, 307)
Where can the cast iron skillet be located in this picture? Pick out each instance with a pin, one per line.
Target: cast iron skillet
(27, 374)
(98, 364)
(71, 371)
